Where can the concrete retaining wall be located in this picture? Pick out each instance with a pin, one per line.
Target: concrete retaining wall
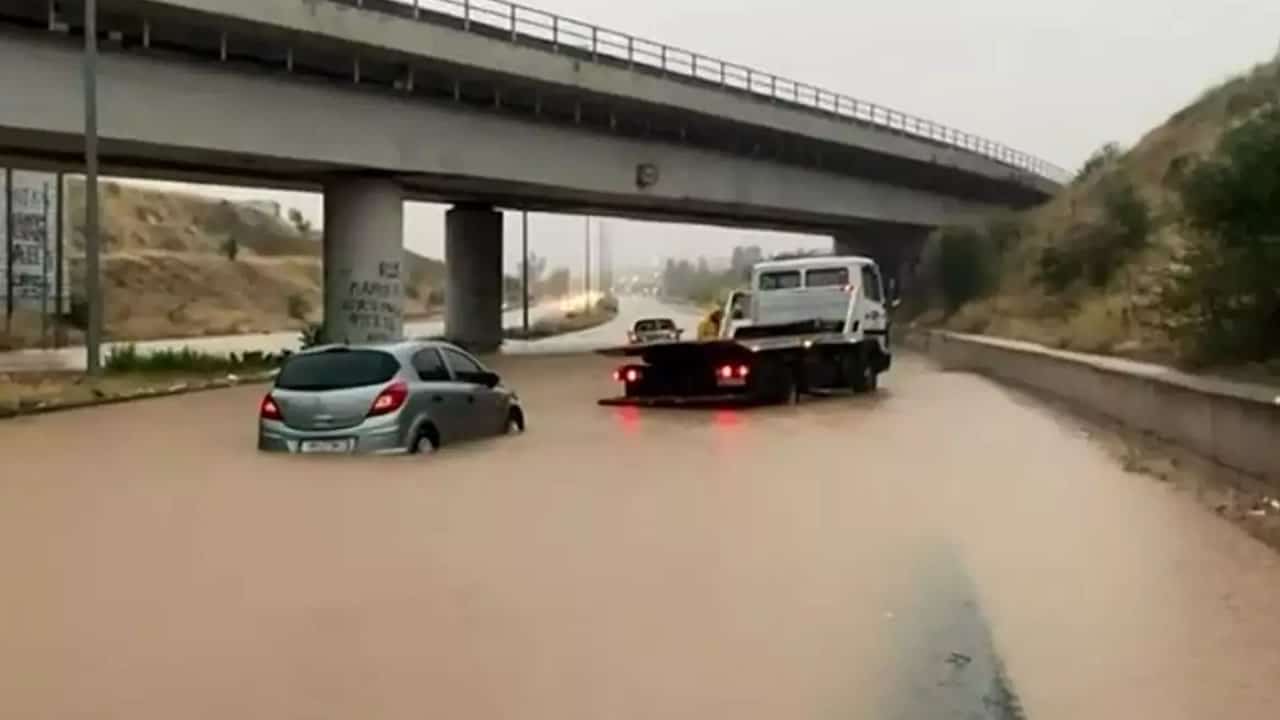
(1235, 424)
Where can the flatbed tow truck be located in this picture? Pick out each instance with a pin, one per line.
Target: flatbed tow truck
(808, 325)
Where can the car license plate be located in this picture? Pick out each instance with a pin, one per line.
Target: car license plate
(731, 382)
(342, 445)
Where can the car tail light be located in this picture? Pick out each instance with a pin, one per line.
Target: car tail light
(743, 371)
(627, 374)
(726, 371)
(269, 410)
(390, 399)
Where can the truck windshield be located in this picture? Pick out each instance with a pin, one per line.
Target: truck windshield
(336, 370)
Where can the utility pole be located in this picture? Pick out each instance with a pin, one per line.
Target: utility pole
(524, 247)
(93, 289)
(586, 269)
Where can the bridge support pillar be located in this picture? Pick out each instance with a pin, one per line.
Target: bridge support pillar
(473, 277)
(897, 251)
(363, 260)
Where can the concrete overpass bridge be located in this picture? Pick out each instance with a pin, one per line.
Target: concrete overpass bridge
(481, 104)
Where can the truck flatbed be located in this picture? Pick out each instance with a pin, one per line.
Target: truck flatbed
(712, 347)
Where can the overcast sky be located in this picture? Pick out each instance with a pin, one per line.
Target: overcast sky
(1055, 79)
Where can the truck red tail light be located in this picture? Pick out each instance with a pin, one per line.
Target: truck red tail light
(391, 399)
(268, 409)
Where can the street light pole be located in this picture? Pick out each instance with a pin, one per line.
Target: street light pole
(93, 289)
(524, 247)
(586, 268)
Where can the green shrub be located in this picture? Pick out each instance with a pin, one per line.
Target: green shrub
(1093, 251)
(966, 265)
(1228, 296)
(1125, 212)
(1059, 268)
(312, 335)
(1099, 160)
(128, 358)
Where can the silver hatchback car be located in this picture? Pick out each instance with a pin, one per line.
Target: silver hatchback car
(404, 397)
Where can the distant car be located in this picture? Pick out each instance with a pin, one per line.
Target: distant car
(409, 397)
(654, 330)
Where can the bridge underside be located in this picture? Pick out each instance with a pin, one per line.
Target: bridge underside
(181, 120)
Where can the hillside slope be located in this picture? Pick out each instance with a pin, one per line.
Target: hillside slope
(1064, 275)
(168, 272)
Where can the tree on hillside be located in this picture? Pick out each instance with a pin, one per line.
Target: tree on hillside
(966, 265)
(1229, 294)
(301, 223)
(1101, 158)
(537, 268)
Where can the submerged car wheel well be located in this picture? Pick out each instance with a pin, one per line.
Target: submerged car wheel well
(516, 414)
(427, 429)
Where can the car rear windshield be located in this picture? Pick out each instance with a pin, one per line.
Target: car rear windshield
(337, 369)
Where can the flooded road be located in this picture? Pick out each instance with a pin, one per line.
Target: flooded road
(946, 549)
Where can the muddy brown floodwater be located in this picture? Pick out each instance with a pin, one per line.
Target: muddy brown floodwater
(945, 549)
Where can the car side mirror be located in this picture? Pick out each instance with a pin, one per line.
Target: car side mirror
(894, 303)
(489, 379)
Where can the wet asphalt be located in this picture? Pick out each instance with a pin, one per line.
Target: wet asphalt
(944, 549)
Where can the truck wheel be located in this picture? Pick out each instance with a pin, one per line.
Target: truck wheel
(864, 378)
(790, 389)
(786, 391)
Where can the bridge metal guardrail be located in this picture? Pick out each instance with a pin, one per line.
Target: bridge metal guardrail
(521, 23)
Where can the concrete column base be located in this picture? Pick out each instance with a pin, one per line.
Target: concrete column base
(363, 261)
(473, 277)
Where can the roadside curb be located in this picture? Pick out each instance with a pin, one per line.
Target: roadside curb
(186, 388)
(1234, 424)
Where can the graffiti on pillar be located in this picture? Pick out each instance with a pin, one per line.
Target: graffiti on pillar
(28, 240)
(374, 307)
